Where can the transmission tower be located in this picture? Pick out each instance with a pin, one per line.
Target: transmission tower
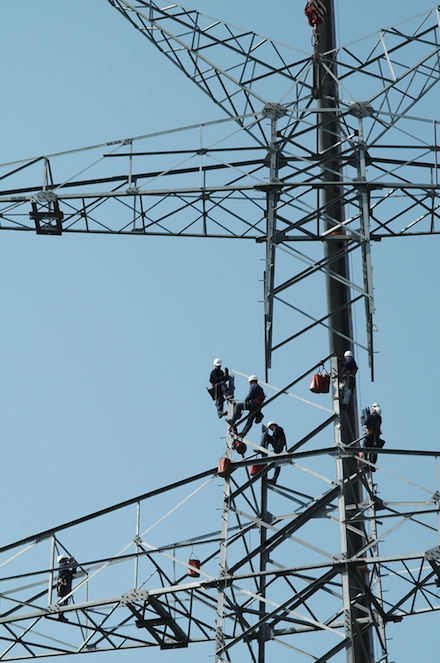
(316, 159)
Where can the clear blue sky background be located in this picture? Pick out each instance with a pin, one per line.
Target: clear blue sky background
(107, 342)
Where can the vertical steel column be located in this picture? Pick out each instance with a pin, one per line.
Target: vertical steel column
(223, 567)
(273, 112)
(130, 165)
(376, 584)
(52, 564)
(45, 168)
(262, 635)
(437, 495)
(364, 110)
(343, 535)
(434, 177)
(86, 598)
(338, 295)
(136, 559)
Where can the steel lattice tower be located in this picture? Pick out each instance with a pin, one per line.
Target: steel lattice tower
(317, 159)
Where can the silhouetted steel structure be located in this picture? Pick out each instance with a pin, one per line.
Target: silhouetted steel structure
(132, 589)
(318, 151)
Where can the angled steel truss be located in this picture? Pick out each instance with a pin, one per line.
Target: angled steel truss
(264, 179)
(271, 574)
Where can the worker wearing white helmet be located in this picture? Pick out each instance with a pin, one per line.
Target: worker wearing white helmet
(221, 386)
(348, 381)
(253, 403)
(372, 424)
(278, 442)
(67, 569)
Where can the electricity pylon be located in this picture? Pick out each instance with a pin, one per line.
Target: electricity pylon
(311, 159)
(281, 589)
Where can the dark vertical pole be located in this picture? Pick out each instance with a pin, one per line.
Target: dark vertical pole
(273, 112)
(338, 294)
(263, 564)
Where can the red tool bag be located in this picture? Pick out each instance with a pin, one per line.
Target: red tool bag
(255, 469)
(224, 467)
(195, 563)
(239, 447)
(320, 383)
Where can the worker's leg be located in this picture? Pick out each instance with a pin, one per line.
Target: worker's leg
(224, 388)
(364, 454)
(238, 409)
(254, 409)
(66, 590)
(265, 439)
(346, 394)
(219, 401)
(228, 391)
(376, 442)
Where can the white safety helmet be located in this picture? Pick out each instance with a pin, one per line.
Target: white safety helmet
(60, 557)
(271, 423)
(348, 353)
(217, 362)
(377, 407)
(252, 378)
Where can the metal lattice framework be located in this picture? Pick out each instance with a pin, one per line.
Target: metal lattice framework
(256, 175)
(132, 588)
(263, 179)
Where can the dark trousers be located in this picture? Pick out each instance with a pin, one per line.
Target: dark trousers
(277, 447)
(253, 408)
(221, 391)
(372, 440)
(63, 591)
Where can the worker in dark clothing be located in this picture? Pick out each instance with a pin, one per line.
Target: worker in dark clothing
(220, 388)
(348, 380)
(253, 403)
(372, 426)
(278, 442)
(67, 569)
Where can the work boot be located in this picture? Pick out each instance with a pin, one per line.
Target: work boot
(221, 414)
(231, 422)
(62, 618)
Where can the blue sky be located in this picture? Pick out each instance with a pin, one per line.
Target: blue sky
(107, 342)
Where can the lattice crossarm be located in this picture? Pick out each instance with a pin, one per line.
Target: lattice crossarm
(197, 44)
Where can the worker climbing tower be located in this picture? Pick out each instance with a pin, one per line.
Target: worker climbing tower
(305, 164)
